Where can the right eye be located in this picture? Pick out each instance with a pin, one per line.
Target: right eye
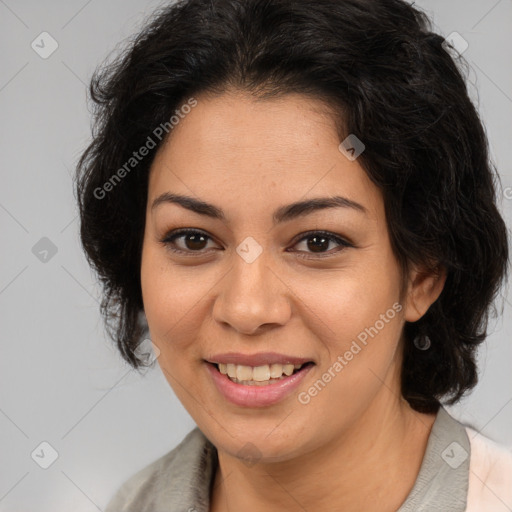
(187, 241)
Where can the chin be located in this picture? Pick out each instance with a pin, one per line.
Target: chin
(260, 441)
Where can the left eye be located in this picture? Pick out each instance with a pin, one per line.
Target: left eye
(316, 242)
(319, 242)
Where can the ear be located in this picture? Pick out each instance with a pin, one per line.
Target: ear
(423, 290)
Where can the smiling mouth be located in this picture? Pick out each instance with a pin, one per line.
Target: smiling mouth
(259, 375)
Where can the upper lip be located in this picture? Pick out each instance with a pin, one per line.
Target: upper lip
(259, 359)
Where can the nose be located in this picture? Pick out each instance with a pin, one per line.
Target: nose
(252, 297)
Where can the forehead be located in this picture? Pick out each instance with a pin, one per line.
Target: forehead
(278, 150)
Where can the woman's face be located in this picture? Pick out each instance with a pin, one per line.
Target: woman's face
(258, 277)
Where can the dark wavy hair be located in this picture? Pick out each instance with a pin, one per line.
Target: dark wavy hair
(389, 81)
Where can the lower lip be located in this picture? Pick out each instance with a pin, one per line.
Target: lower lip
(256, 396)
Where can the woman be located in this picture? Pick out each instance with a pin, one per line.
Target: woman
(296, 196)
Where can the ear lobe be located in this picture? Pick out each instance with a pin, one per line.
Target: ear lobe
(424, 288)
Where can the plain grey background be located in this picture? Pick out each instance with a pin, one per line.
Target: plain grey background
(61, 380)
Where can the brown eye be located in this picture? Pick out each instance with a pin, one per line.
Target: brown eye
(321, 243)
(195, 242)
(318, 243)
(187, 241)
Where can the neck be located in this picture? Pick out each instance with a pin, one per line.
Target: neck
(371, 466)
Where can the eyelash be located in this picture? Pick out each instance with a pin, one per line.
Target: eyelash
(169, 239)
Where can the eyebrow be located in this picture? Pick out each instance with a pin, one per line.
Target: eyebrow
(282, 214)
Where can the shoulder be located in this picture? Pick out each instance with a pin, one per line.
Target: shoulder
(490, 475)
(164, 482)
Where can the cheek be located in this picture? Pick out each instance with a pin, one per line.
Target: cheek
(166, 300)
(357, 327)
(356, 318)
(341, 307)
(175, 299)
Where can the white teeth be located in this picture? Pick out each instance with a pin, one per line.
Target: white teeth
(242, 373)
(261, 373)
(276, 370)
(288, 369)
(231, 369)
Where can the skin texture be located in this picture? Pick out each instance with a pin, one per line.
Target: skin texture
(357, 445)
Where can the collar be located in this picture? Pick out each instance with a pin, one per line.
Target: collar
(181, 480)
